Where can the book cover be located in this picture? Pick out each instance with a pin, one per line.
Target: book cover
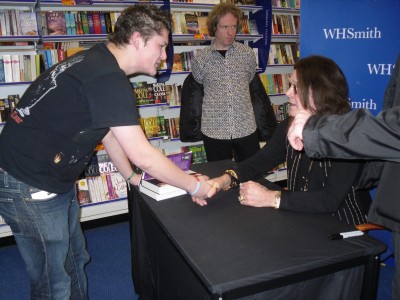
(177, 63)
(56, 23)
(161, 126)
(2, 75)
(83, 191)
(28, 23)
(159, 92)
(104, 163)
(182, 160)
(96, 22)
(172, 97)
(15, 68)
(151, 127)
(119, 186)
(202, 23)
(78, 22)
(103, 23)
(92, 189)
(192, 25)
(90, 22)
(141, 91)
(85, 24)
(107, 17)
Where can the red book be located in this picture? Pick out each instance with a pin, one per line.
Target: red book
(96, 23)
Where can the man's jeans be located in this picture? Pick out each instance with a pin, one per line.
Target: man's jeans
(49, 238)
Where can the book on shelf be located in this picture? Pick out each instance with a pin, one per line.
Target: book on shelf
(159, 92)
(15, 67)
(160, 190)
(28, 23)
(202, 24)
(2, 75)
(96, 22)
(192, 24)
(56, 24)
(173, 97)
(83, 191)
(113, 185)
(151, 127)
(141, 91)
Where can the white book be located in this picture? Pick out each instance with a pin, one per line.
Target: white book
(159, 187)
(15, 65)
(158, 197)
(8, 76)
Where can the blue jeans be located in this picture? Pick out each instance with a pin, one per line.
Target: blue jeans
(49, 238)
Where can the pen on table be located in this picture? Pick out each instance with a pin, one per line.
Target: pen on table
(345, 235)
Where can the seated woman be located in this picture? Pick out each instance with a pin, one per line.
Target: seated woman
(313, 185)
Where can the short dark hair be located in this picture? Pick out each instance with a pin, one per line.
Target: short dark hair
(218, 12)
(143, 18)
(326, 81)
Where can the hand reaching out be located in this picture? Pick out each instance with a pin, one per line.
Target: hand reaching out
(295, 132)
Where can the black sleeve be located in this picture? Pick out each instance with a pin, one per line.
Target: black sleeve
(355, 135)
(270, 156)
(263, 111)
(191, 110)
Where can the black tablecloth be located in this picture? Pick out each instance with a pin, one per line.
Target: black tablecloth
(233, 248)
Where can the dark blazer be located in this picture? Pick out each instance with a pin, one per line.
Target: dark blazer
(191, 109)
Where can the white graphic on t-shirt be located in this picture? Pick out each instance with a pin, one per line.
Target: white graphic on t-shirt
(49, 83)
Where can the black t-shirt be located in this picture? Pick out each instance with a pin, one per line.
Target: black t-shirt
(62, 116)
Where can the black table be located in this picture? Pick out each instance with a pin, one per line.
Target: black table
(226, 251)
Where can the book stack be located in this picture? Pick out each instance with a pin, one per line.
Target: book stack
(159, 190)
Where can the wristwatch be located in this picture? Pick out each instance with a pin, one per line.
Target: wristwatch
(277, 201)
(234, 179)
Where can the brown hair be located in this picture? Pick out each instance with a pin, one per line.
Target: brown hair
(218, 12)
(143, 18)
(322, 77)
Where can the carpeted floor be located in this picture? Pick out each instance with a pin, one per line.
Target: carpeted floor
(109, 272)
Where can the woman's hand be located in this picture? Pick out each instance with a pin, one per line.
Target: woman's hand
(256, 195)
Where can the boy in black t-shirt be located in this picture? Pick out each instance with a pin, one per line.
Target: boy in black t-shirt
(50, 137)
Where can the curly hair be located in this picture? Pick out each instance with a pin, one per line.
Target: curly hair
(322, 77)
(218, 12)
(143, 18)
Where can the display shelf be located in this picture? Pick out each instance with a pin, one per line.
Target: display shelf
(82, 37)
(56, 5)
(22, 5)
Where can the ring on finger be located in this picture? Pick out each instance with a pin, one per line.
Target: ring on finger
(241, 198)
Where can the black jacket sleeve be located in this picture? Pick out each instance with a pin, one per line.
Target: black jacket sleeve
(270, 156)
(191, 109)
(355, 135)
(263, 111)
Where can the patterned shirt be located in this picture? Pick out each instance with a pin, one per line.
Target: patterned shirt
(227, 111)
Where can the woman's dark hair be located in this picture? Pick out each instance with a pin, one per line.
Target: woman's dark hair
(218, 12)
(143, 18)
(323, 78)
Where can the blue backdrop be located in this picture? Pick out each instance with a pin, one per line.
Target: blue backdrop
(361, 36)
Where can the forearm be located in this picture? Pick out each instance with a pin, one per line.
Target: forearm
(140, 152)
(118, 157)
(356, 134)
